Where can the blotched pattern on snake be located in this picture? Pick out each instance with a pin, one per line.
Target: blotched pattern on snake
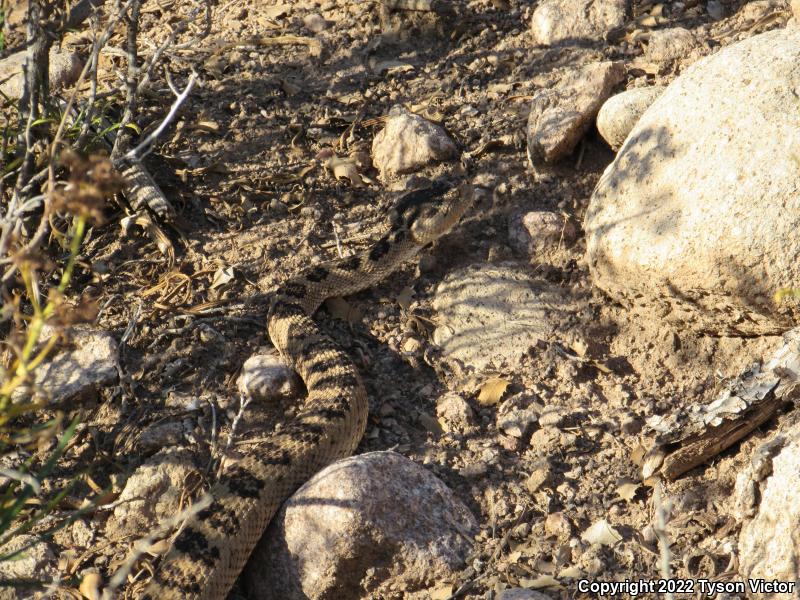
(211, 550)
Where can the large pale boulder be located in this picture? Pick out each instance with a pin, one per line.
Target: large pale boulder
(359, 528)
(769, 545)
(698, 215)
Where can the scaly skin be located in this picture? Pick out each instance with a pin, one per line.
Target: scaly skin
(210, 552)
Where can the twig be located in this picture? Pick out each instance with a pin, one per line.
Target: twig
(35, 90)
(661, 517)
(182, 26)
(15, 211)
(336, 237)
(144, 544)
(243, 403)
(133, 154)
(131, 77)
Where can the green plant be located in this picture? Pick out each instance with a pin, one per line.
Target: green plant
(23, 500)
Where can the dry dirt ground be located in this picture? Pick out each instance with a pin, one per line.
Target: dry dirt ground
(242, 167)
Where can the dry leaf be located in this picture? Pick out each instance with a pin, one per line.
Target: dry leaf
(159, 548)
(391, 66)
(279, 10)
(601, 533)
(207, 126)
(492, 390)
(222, 277)
(405, 298)
(441, 593)
(637, 456)
(344, 168)
(90, 586)
(627, 490)
(571, 572)
(543, 581)
(648, 21)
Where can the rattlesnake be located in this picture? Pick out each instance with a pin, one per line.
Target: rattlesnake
(210, 551)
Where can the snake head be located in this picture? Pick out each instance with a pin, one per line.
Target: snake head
(426, 215)
(437, 216)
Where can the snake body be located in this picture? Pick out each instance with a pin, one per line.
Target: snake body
(208, 554)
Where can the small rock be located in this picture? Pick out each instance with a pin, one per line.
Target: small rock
(745, 496)
(531, 233)
(266, 377)
(473, 470)
(715, 10)
(758, 9)
(153, 493)
(670, 44)
(515, 420)
(541, 475)
(77, 374)
(562, 114)
(37, 562)
(409, 142)
(359, 526)
(315, 23)
(65, 68)
(574, 21)
(82, 535)
(552, 416)
(620, 113)
(512, 444)
(455, 413)
(160, 436)
(412, 345)
(557, 525)
(546, 439)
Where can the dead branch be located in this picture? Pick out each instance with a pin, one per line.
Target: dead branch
(688, 440)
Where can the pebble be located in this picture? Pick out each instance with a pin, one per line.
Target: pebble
(531, 233)
(454, 413)
(266, 377)
(557, 21)
(315, 22)
(65, 67)
(670, 44)
(619, 114)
